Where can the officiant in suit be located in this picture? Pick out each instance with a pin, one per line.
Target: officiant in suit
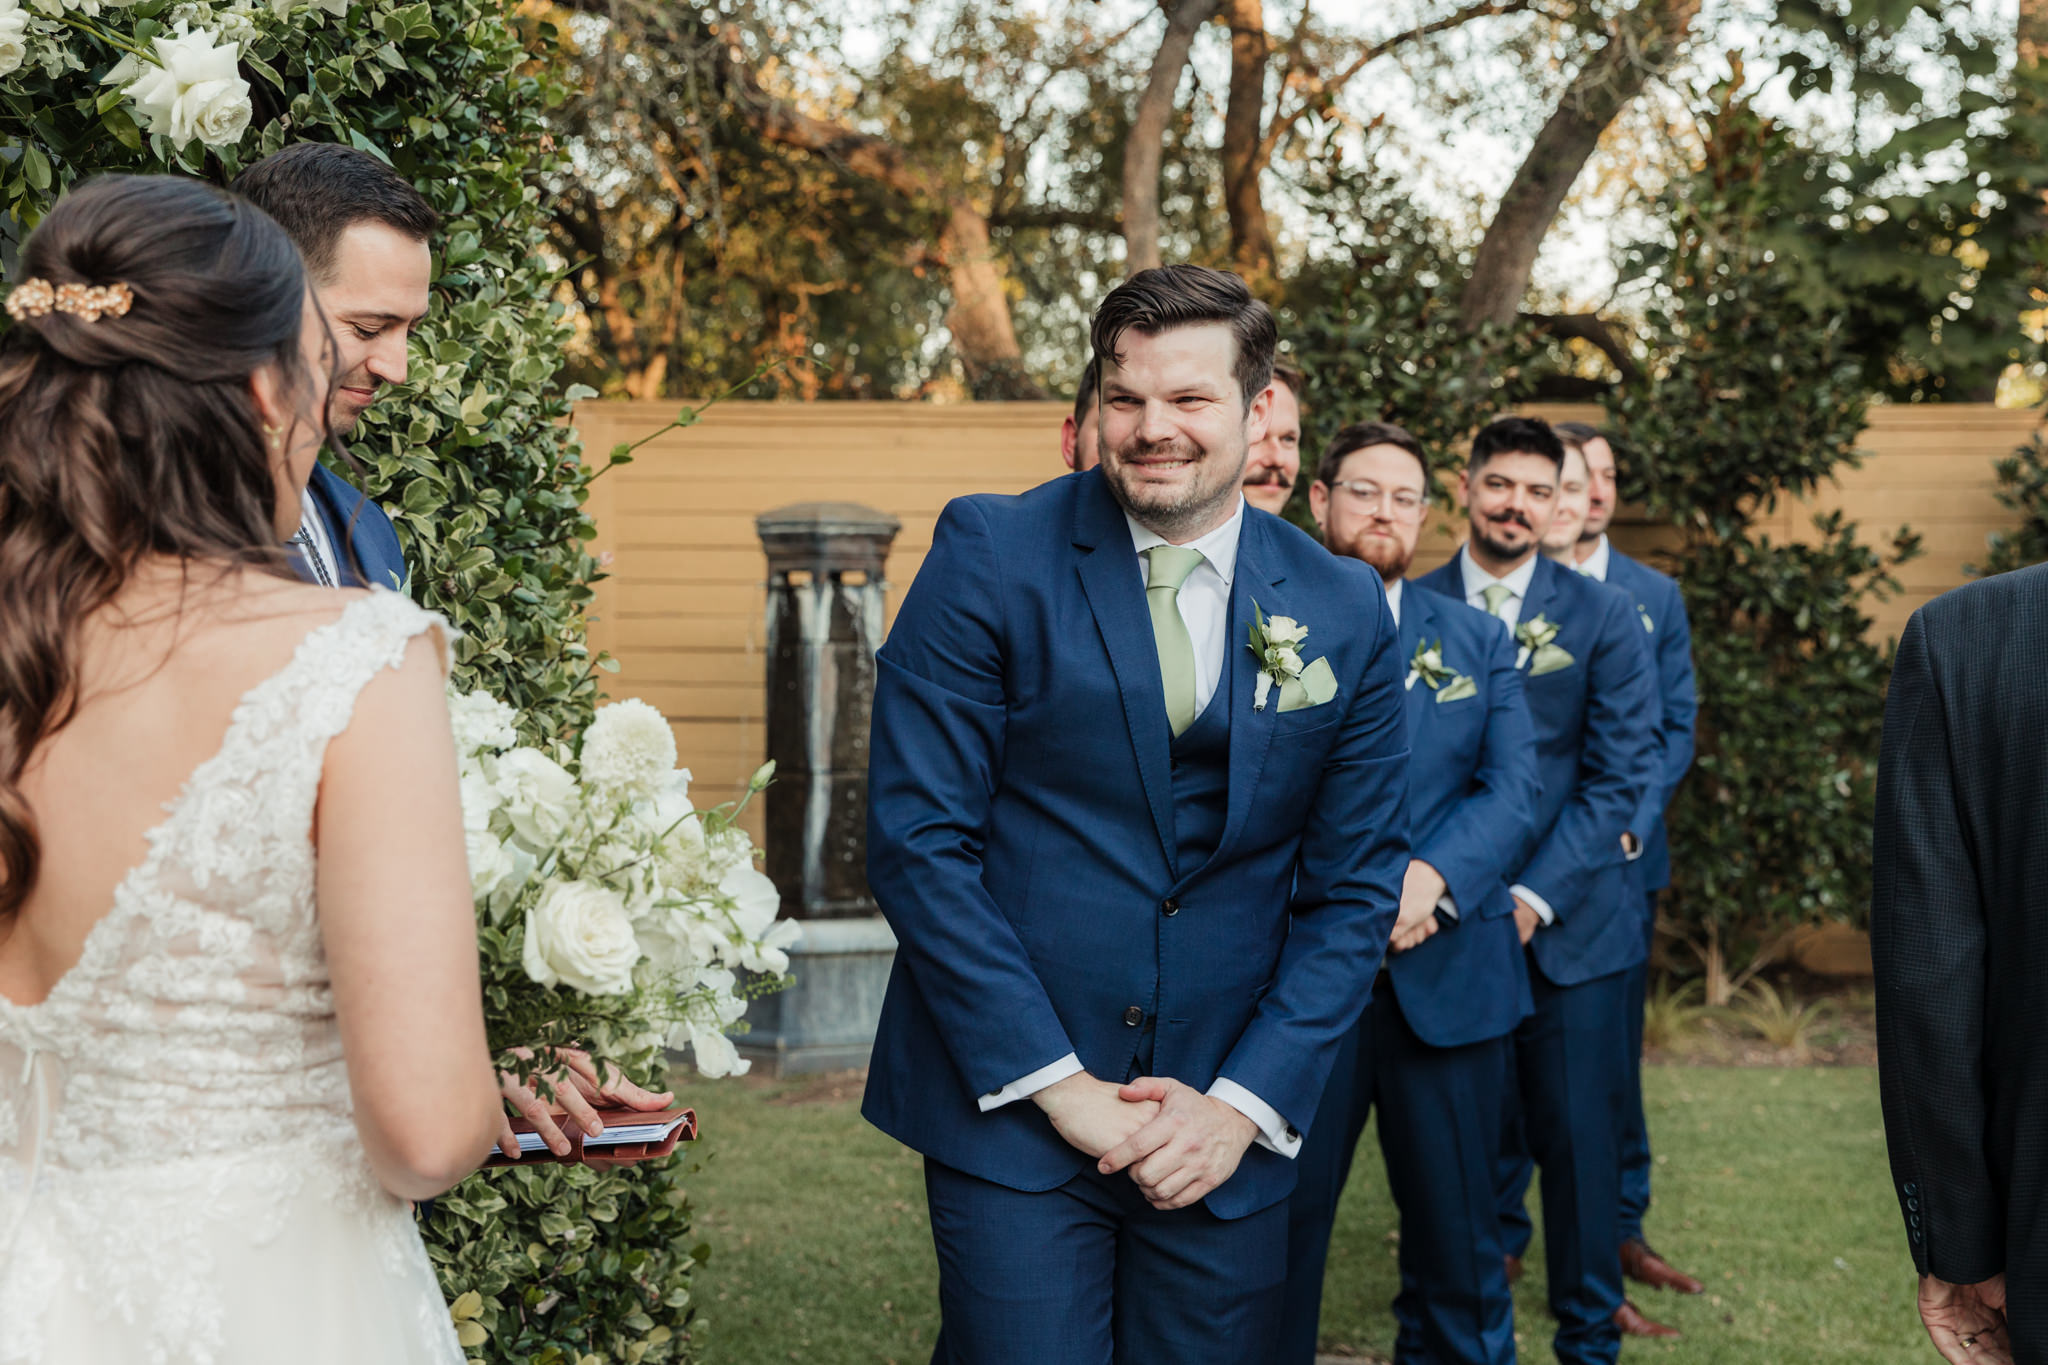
(1141, 841)
(1431, 1049)
(1591, 693)
(1959, 940)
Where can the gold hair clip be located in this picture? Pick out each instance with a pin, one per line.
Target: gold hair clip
(37, 298)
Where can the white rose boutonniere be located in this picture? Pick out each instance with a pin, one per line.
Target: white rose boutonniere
(1538, 652)
(1277, 640)
(1428, 668)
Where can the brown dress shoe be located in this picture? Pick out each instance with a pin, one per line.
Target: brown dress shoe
(1632, 1323)
(1513, 1265)
(1645, 1266)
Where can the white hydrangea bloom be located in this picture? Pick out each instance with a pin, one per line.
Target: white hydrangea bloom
(629, 749)
(481, 722)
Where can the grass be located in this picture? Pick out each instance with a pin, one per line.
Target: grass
(1771, 1185)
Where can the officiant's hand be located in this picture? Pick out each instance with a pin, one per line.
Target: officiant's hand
(1089, 1114)
(1966, 1321)
(1191, 1148)
(578, 1087)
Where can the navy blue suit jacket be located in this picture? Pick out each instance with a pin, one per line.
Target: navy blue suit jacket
(1021, 836)
(1660, 607)
(1472, 795)
(1594, 728)
(355, 523)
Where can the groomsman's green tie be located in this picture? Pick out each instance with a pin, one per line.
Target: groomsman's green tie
(1496, 596)
(1170, 566)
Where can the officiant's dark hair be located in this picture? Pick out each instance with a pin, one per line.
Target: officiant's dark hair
(131, 435)
(1515, 436)
(318, 190)
(1172, 296)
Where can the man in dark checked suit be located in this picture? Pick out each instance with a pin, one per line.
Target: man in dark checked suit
(1959, 938)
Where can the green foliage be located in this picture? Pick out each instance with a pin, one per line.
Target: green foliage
(2022, 488)
(1752, 395)
(475, 462)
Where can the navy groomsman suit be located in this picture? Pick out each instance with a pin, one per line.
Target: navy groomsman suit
(1661, 608)
(1432, 1047)
(1594, 720)
(350, 521)
(1068, 881)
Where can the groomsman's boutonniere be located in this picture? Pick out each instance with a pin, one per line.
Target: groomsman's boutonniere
(1277, 641)
(1429, 669)
(1538, 653)
(1649, 626)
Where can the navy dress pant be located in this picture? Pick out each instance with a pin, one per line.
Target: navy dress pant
(1439, 1114)
(1571, 1063)
(1091, 1274)
(1635, 1132)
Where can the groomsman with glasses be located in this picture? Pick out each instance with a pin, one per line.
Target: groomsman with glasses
(1590, 689)
(1432, 1047)
(1660, 607)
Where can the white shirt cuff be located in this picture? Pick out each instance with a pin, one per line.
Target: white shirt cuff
(1632, 854)
(1534, 902)
(1275, 1135)
(1024, 1087)
(1447, 906)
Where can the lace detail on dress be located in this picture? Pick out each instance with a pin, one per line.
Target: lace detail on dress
(179, 1102)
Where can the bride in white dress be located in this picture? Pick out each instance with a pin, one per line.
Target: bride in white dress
(240, 1023)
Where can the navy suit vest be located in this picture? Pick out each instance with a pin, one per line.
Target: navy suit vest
(1201, 782)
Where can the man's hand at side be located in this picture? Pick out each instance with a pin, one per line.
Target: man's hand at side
(1090, 1115)
(1527, 922)
(1966, 1321)
(1193, 1145)
(1421, 889)
(578, 1088)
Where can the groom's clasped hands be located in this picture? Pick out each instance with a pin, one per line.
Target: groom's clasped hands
(1177, 1143)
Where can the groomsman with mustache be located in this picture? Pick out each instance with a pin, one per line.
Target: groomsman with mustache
(1590, 689)
(1275, 462)
(1431, 1050)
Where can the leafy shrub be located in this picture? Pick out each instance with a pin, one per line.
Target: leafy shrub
(2022, 488)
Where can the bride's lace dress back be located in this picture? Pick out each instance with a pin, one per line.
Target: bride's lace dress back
(180, 1179)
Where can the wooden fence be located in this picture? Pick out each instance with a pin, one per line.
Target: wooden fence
(683, 610)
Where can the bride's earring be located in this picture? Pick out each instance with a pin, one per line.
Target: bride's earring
(275, 435)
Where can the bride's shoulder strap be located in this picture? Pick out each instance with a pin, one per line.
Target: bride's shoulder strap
(336, 661)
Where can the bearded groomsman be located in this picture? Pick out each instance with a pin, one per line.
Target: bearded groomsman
(1661, 609)
(1275, 463)
(1432, 1047)
(1591, 693)
(1141, 870)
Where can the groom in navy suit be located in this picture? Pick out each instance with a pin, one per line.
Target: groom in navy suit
(1433, 1047)
(1141, 840)
(1591, 692)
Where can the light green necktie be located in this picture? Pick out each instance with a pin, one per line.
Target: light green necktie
(1170, 566)
(1496, 596)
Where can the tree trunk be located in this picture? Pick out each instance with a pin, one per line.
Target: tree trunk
(1143, 145)
(1642, 44)
(979, 319)
(2033, 31)
(1251, 238)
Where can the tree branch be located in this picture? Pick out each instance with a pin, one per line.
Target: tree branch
(1143, 146)
(1592, 329)
(1049, 216)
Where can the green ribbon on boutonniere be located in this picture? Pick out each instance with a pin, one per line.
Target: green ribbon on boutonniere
(1428, 668)
(1539, 653)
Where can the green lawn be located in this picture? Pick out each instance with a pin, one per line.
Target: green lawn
(1771, 1185)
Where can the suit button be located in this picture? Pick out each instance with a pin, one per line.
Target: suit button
(1912, 1190)
(1913, 1221)
(1917, 1238)
(1169, 908)
(1134, 1016)
(1912, 1206)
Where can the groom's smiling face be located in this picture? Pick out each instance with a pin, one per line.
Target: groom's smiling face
(1175, 428)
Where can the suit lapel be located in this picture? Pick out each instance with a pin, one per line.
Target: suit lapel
(1116, 595)
(1418, 623)
(1251, 732)
(1542, 588)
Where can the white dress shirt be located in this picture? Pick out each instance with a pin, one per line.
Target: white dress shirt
(1205, 609)
(1476, 581)
(1595, 565)
(314, 526)
(1394, 600)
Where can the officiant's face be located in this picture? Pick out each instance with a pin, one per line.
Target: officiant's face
(375, 293)
(1175, 428)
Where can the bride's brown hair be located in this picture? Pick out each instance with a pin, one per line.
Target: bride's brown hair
(129, 435)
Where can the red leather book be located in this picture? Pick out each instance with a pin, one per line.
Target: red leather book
(629, 1135)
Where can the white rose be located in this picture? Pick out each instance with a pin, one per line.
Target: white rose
(13, 36)
(539, 795)
(1432, 661)
(481, 722)
(629, 749)
(193, 93)
(579, 936)
(1288, 662)
(1285, 630)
